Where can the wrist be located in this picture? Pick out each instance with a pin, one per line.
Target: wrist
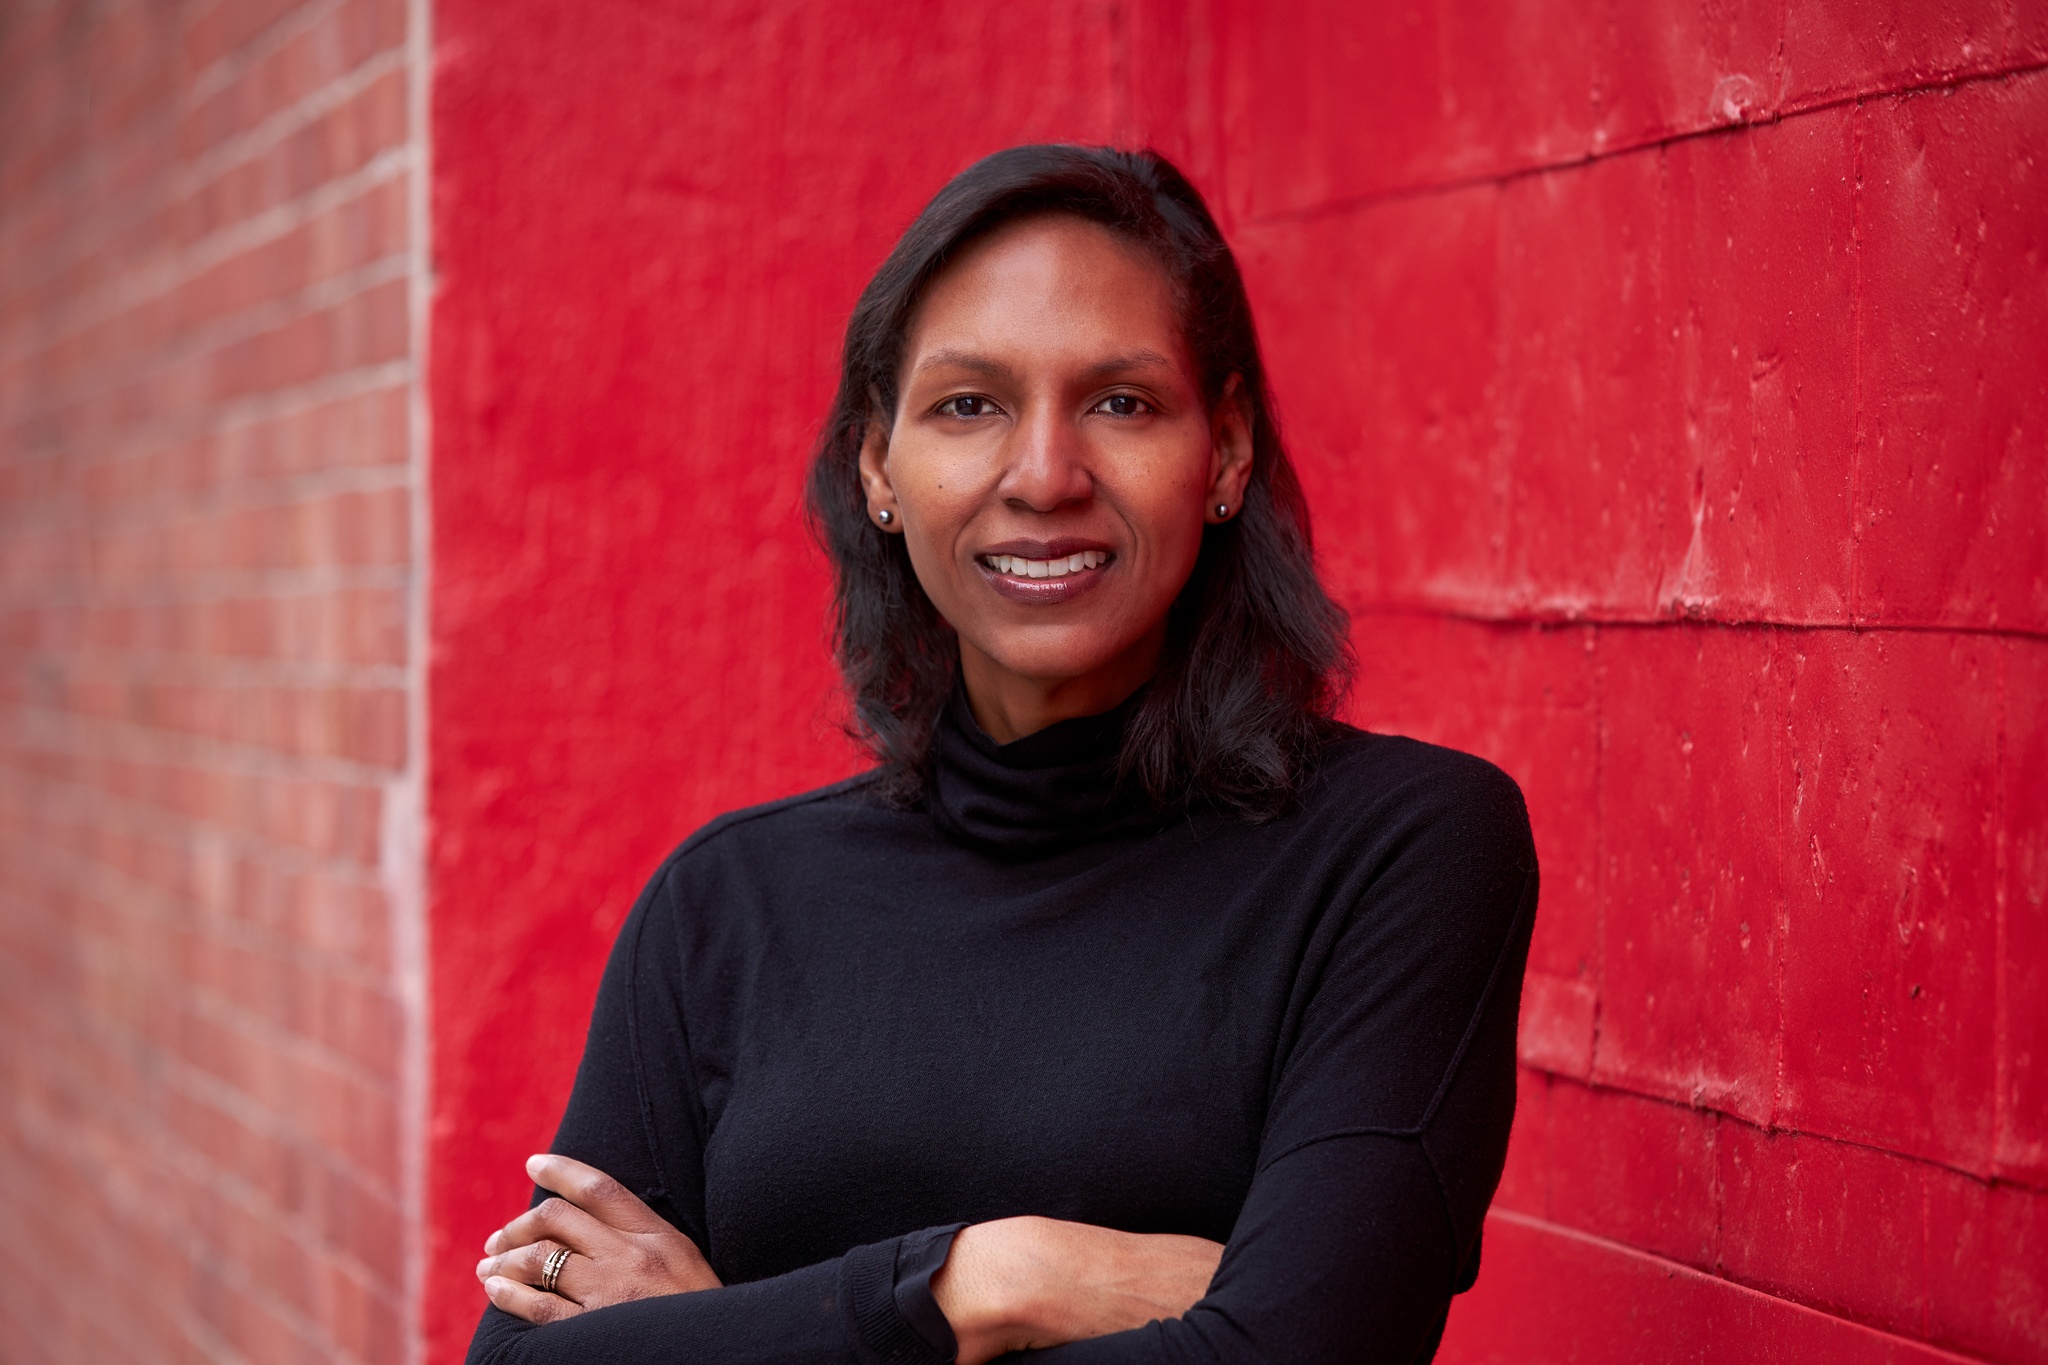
(989, 1289)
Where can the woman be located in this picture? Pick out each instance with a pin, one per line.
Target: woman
(1130, 1007)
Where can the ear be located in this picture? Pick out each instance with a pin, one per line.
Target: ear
(874, 475)
(1230, 457)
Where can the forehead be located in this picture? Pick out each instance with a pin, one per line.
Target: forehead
(1055, 287)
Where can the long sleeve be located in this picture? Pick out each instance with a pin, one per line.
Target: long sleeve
(841, 1310)
(831, 1030)
(1365, 1215)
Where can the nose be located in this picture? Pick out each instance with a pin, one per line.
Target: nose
(1047, 467)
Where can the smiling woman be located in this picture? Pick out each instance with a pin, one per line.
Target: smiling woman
(1131, 1007)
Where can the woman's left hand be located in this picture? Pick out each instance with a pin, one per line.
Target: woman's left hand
(619, 1249)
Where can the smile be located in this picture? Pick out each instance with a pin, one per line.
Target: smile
(1016, 566)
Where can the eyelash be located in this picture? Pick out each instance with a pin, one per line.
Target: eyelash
(950, 407)
(1143, 407)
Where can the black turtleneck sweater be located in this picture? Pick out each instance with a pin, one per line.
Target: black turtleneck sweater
(831, 1031)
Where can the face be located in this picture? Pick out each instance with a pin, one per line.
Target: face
(1051, 465)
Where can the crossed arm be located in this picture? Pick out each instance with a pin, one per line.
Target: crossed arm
(1007, 1285)
(1362, 1216)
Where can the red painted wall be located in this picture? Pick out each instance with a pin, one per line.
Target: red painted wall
(1671, 385)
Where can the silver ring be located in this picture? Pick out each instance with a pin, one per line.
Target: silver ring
(550, 1271)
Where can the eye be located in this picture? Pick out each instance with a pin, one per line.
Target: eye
(1124, 405)
(967, 405)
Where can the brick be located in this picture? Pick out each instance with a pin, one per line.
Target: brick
(205, 528)
(369, 228)
(360, 430)
(340, 38)
(343, 626)
(227, 27)
(334, 143)
(1889, 1028)
(366, 329)
(1954, 227)
(1693, 884)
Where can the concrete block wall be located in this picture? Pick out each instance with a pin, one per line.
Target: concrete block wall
(210, 951)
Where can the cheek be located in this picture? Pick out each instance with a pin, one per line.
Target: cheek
(935, 513)
(1172, 520)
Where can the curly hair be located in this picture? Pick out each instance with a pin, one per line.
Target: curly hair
(1255, 658)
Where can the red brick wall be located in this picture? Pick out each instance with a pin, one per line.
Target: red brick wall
(210, 952)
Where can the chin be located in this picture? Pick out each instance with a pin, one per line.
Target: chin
(1051, 663)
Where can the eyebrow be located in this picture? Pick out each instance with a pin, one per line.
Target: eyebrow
(1140, 359)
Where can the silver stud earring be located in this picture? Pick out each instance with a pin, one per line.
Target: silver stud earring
(1222, 509)
(885, 516)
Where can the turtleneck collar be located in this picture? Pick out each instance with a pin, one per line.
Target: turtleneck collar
(1052, 789)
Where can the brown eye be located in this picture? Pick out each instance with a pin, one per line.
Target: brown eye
(1124, 405)
(967, 405)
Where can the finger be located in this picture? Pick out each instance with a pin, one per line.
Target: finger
(529, 1265)
(524, 1301)
(593, 1191)
(555, 1219)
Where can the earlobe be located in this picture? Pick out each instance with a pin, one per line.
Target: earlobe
(1231, 441)
(874, 477)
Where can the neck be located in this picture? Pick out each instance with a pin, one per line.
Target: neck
(1008, 705)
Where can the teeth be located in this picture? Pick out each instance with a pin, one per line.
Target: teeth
(1018, 567)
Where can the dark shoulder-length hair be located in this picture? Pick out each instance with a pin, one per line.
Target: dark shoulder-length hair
(1255, 656)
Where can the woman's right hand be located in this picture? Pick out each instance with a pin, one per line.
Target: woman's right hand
(1018, 1283)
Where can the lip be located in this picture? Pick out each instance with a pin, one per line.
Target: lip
(1043, 549)
(1044, 592)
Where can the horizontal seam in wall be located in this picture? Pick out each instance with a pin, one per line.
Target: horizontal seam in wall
(1778, 1130)
(1337, 208)
(1539, 621)
(1566, 1230)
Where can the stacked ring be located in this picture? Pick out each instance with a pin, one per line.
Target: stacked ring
(552, 1269)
